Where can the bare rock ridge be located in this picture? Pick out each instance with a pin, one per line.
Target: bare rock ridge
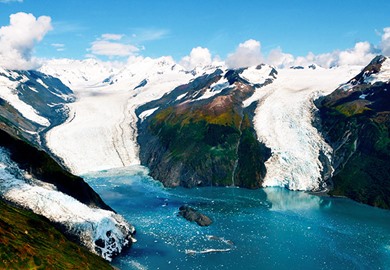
(200, 134)
(203, 134)
(355, 120)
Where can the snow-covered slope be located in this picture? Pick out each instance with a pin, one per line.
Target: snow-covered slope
(101, 132)
(102, 232)
(283, 121)
(32, 102)
(79, 73)
(383, 75)
(8, 85)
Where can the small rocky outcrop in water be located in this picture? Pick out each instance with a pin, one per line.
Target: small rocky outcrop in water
(191, 214)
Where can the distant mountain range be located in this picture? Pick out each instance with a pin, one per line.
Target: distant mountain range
(303, 128)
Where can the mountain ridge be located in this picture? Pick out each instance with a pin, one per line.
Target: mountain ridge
(356, 123)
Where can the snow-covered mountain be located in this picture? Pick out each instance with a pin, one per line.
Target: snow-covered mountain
(249, 127)
(79, 73)
(33, 102)
(106, 111)
(280, 106)
(356, 124)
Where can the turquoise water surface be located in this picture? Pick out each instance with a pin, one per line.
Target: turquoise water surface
(270, 228)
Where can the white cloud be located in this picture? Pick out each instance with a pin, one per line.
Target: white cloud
(247, 54)
(199, 57)
(109, 45)
(385, 42)
(17, 40)
(58, 46)
(9, 1)
(280, 59)
(112, 37)
(147, 34)
(361, 54)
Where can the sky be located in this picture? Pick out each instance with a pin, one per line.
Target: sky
(280, 32)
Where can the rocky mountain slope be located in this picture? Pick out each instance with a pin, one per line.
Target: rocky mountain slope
(31, 104)
(203, 134)
(356, 123)
(249, 127)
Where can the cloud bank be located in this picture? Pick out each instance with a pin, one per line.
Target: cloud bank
(249, 54)
(9, 1)
(110, 45)
(198, 57)
(385, 42)
(246, 54)
(18, 39)
(25, 31)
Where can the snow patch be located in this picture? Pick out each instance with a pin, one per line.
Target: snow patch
(8, 93)
(147, 113)
(215, 88)
(382, 76)
(42, 83)
(257, 75)
(181, 96)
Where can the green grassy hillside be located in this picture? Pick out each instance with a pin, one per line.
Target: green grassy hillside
(28, 241)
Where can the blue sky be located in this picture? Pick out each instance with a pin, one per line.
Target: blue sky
(174, 27)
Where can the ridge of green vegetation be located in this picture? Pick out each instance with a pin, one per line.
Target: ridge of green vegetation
(29, 241)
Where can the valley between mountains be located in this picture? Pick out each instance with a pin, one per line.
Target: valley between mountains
(303, 128)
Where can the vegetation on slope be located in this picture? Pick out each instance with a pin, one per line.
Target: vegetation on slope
(29, 241)
(204, 142)
(356, 123)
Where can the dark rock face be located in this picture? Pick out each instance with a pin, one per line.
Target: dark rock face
(356, 123)
(198, 141)
(191, 214)
(141, 84)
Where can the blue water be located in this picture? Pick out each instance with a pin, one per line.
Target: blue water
(270, 228)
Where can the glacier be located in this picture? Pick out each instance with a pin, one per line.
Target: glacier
(105, 111)
(102, 232)
(107, 99)
(284, 122)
